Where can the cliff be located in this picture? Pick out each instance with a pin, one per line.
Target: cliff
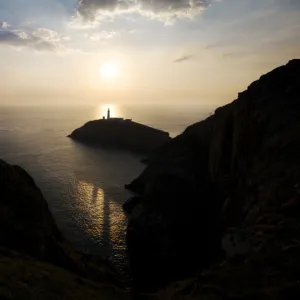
(35, 260)
(223, 198)
(121, 134)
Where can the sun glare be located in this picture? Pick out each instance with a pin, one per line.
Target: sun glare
(109, 70)
(114, 111)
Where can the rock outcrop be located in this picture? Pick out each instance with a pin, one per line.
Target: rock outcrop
(121, 134)
(226, 193)
(35, 260)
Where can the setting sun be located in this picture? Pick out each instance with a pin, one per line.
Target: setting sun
(109, 70)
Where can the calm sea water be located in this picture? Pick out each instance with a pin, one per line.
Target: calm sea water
(83, 186)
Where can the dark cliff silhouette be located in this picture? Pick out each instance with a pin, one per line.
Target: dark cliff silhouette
(35, 260)
(222, 200)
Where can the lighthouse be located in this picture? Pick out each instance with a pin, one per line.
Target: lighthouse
(108, 114)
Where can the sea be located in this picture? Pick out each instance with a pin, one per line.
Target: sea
(84, 186)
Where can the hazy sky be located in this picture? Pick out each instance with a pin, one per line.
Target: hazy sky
(166, 51)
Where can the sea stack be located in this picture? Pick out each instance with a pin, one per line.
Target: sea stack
(122, 134)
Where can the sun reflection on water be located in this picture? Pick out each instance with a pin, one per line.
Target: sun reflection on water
(101, 216)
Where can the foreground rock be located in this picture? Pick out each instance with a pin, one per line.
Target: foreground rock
(36, 261)
(230, 183)
(121, 134)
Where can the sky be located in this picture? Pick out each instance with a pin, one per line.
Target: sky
(162, 51)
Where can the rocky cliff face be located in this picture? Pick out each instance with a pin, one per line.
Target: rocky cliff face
(36, 261)
(254, 152)
(121, 134)
(227, 190)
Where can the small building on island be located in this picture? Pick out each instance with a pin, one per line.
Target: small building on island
(114, 119)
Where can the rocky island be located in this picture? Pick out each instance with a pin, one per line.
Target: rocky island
(121, 134)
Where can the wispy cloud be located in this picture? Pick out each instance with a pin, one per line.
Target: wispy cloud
(198, 50)
(103, 35)
(183, 58)
(131, 31)
(40, 39)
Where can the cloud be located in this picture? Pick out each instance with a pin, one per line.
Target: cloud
(41, 39)
(183, 58)
(167, 11)
(46, 34)
(230, 55)
(66, 38)
(212, 46)
(103, 35)
(4, 25)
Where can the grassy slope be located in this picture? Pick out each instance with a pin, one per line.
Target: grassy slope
(22, 277)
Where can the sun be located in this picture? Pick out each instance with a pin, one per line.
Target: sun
(109, 70)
